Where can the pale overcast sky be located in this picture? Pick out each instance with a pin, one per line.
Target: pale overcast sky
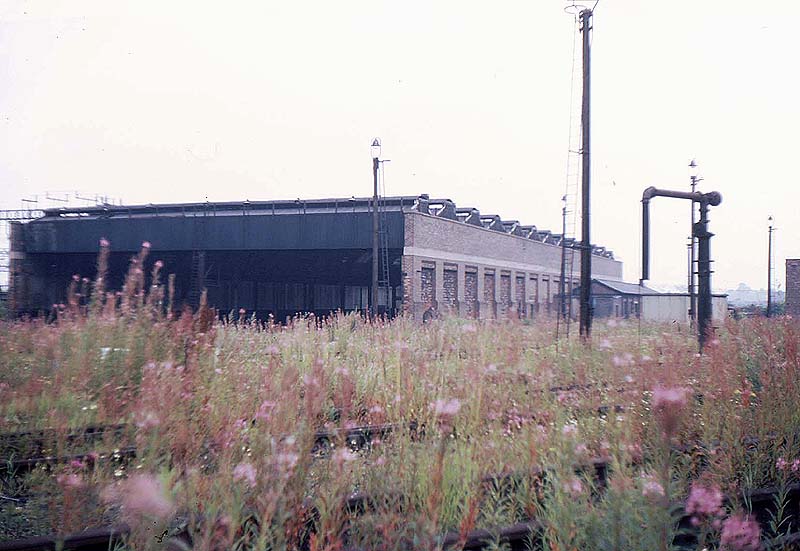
(154, 101)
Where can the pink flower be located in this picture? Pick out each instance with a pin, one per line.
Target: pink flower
(265, 410)
(781, 464)
(569, 430)
(739, 533)
(651, 487)
(245, 472)
(286, 462)
(141, 495)
(344, 455)
(104, 242)
(446, 408)
(159, 264)
(70, 480)
(668, 405)
(704, 503)
(796, 465)
(148, 420)
(146, 245)
(573, 487)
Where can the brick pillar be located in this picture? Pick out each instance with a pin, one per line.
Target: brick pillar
(439, 292)
(408, 279)
(463, 310)
(482, 308)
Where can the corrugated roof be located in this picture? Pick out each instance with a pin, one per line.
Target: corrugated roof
(627, 288)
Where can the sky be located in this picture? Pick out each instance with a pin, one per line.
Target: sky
(181, 101)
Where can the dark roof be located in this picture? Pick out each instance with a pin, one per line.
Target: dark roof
(624, 288)
(441, 208)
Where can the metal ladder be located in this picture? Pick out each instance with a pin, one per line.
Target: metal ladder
(573, 180)
(198, 271)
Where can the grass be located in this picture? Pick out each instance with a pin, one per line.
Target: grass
(224, 414)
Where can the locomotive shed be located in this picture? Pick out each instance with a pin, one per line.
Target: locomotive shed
(280, 258)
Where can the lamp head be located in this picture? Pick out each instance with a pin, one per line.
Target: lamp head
(693, 172)
(375, 148)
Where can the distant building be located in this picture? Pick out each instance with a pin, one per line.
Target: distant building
(617, 299)
(793, 287)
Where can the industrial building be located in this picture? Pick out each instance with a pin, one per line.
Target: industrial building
(281, 258)
(793, 287)
(617, 299)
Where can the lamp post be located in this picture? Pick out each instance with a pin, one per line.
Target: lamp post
(694, 176)
(769, 270)
(375, 149)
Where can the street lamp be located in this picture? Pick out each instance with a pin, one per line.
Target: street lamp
(694, 176)
(375, 149)
(769, 269)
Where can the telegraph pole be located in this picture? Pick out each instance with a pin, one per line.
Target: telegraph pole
(769, 270)
(562, 314)
(376, 153)
(586, 246)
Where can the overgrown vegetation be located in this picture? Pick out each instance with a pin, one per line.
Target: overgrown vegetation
(223, 417)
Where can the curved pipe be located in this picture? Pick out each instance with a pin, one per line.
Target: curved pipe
(712, 198)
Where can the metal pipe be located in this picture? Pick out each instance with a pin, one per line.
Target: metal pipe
(701, 233)
(645, 238)
(703, 275)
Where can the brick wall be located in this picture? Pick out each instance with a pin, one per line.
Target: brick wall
(426, 233)
(475, 272)
(793, 287)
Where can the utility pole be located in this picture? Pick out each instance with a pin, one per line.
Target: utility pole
(586, 244)
(769, 271)
(376, 153)
(562, 314)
